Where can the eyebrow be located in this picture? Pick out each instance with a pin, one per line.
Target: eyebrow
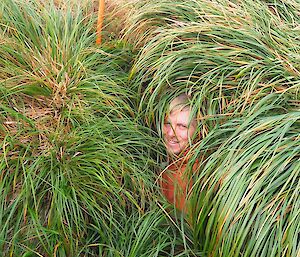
(182, 124)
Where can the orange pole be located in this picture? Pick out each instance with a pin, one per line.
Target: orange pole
(100, 21)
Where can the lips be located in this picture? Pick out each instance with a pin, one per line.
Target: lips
(172, 142)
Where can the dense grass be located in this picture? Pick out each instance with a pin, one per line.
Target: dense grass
(239, 60)
(77, 167)
(80, 161)
(245, 198)
(227, 58)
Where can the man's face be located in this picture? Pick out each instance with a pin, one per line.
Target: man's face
(177, 130)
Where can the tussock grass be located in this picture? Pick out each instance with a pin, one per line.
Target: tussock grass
(246, 197)
(240, 62)
(76, 163)
(79, 166)
(221, 53)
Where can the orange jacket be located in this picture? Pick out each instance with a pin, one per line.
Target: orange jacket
(176, 183)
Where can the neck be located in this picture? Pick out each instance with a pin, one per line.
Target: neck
(173, 158)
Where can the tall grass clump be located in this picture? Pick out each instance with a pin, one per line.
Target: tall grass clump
(76, 164)
(227, 55)
(246, 197)
(239, 60)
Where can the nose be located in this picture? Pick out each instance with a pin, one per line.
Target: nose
(170, 131)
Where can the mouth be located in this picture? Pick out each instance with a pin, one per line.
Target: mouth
(172, 142)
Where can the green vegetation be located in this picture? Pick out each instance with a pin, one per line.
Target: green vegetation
(74, 158)
(80, 128)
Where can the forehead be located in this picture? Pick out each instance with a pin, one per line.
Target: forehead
(179, 116)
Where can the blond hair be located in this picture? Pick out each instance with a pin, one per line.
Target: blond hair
(181, 102)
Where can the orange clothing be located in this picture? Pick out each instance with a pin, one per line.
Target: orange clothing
(175, 183)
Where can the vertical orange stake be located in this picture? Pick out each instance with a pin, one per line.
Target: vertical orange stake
(100, 21)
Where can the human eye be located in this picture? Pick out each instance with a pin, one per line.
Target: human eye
(167, 124)
(182, 126)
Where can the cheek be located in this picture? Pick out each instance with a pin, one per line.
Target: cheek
(191, 131)
(183, 135)
(164, 129)
(187, 134)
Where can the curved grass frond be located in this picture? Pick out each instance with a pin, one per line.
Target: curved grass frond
(239, 61)
(247, 194)
(225, 57)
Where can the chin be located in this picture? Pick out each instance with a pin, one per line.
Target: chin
(173, 151)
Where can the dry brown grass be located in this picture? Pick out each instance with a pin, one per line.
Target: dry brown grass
(116, 14)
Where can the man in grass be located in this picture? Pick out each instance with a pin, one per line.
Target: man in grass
(178, 133)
